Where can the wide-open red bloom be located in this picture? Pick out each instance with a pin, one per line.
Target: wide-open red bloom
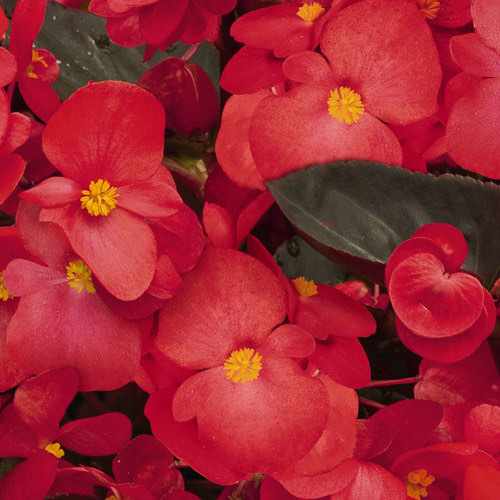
(231, 418)
(112, 186)
(338, 109)
(61, 320)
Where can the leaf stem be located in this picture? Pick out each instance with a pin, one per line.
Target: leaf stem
(397, 381)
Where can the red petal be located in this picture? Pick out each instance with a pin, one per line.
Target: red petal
(232, 147)
(53, 192)
(43, 239)
(481, 483)
(332, 312)
(344, 360)
(473, 56)
(449, 239)
(9, 67)
(119, 249)
(40, 97)
(308, 67)
(291, 408)
(219, 226)
(238, 284)
(454, 348)
(486, 16)
(453, 13)
(482, 426)
(11, 171)
(96, 436)
(144, 460)
(368, 45)
(472, 130)
(30, 479)
(59, 326)
(293, 131)
(118, 147)
(42, 401)
(250, 70)
(182, 440)
(24, 277)
(161, 19)
(251, 214)
(288, 341)
(18, 132)
(166, 281)
(431, 302)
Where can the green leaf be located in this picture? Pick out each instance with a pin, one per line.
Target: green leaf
(365, 209)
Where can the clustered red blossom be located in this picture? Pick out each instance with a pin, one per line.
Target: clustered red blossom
(247, 376)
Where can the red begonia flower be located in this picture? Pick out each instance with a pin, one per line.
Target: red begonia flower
(439, 469)
(186, 93)
(37, 68)
(68, 322)
(30, 428)
(233, 325)
(115, 166)
(446, 13)
(442, 314)
(8, 64)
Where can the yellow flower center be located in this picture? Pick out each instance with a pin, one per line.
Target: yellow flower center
(100, 198)
(345, 105)
(304, 287)
(310, 11)
(5, 295)
(429, 8)
(55, 449)
(79, 276)
(243, 365)
(416, 483)
(35, 57)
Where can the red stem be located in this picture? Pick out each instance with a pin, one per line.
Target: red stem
(398, 381)
(370, 402)
(190, 52)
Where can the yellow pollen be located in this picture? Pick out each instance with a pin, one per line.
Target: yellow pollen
(243, 365)
(5, 295)
(429, 8)
(417, 482)
(79, 276)
(35, 57)
(100, 198)
(55, 449)
(345, 105)
(310, 12)
(304, 287)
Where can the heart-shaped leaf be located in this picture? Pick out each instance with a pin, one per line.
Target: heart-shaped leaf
(366, 209)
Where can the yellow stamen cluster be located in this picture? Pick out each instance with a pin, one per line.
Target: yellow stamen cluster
(243, 365)
(429, 8)
(100, 198)
(345, 105)
(310, 12)
(35, 57)
(79, 276)
(55, 449)
(417, 482)
(5, 295)
(304, 287)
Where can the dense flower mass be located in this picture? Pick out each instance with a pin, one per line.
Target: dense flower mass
(252, 253)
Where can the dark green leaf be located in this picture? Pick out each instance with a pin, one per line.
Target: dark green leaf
(366, 209)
